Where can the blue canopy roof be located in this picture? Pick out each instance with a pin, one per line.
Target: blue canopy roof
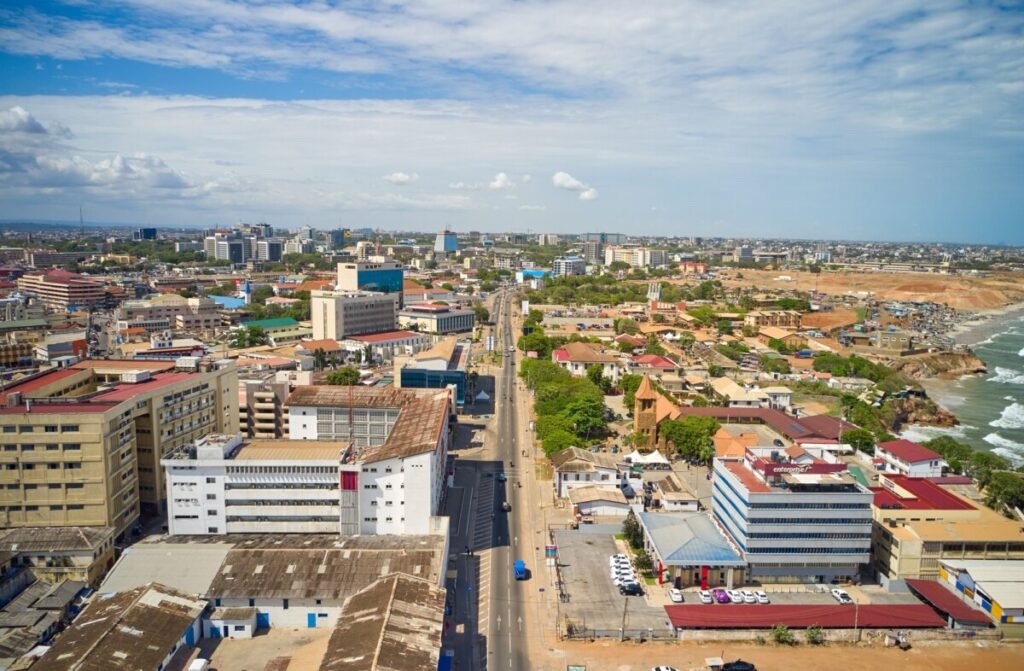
(689, 539)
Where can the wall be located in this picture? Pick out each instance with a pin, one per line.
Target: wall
(295, 615)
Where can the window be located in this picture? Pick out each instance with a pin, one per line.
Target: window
(239, 627)
(211, 530)
(211, 481)
(9, 429)
(50, 447)
(211, 512)
(211, 497)
(72, 446)
(50, 428)
(25, 428)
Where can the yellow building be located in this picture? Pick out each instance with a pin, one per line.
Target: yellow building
(58, 553)
(82, 445)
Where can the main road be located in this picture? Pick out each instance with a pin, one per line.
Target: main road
(507, 647)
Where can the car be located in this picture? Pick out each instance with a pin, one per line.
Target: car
(841, 596)
(501, 477)
(705, 596)
(675, 595)
(506, 506)
(739, 665)
(721, 596)
(631, 589)
(761, 596)
(748, 596)
(664, 668)
(778, 443)
(735, 596)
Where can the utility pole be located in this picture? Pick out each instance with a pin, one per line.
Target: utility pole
(625, 607)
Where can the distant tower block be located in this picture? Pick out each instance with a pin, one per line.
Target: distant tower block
(654, 291)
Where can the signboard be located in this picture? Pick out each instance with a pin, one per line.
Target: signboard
(798, 469)
(550, 550)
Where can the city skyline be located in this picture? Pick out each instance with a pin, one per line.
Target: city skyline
(887, 121)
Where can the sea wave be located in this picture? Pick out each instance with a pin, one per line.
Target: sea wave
(920, 432)
(1007, 376)
(1011, 418)
(1021, 352)
(1005, 447)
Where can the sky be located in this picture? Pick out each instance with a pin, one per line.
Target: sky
(875, 119)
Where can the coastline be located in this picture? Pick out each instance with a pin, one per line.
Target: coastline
(986, 324)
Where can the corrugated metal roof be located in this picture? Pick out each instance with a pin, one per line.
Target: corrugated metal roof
(689, 539)
(947, 602)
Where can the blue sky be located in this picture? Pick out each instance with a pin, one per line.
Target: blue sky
(871, 120)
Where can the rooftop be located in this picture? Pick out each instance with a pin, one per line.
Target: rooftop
(689, 539)
(837, 616)
(54, 539)
(908, 451)
(126, 391)
(577, 460)
(417, 429)
(591, 493)
(583, 353)
(385, 336)
(916, 494)
(946, 601)
(276, 323)
(394, 623)
(128, 630)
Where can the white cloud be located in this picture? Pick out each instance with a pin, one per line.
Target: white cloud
(502, 181)
(526, 179)
(563, 180)
(464, 186)
(401, 178)
(533, 208)
(18, 120)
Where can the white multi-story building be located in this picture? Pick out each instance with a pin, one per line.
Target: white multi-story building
(909, 458)
(227, 484)
(568, 266)
(638, 257)
(339, 314)
(794, 514)
(433, 318)
(400, 440)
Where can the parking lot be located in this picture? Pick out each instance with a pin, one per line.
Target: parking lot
(594, 601)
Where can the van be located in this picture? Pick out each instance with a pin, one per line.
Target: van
(519, 569)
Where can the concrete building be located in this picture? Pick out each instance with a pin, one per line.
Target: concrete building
(55, 554)
(577, 357)
(401, 439)
(591, 501)
(148, 625)
(144, 234)
(49, 258)
(440, 367)
(637, 257)
(784, 319)
(995, 585)
(446, 242)
(271, 250)
(896, 342)
(384, 347)
(574, 467)
(339, 314)
(688, 550)
(262, 412)
(82, 445)
(199, 313)
(568, 266)
(61, 290)
(380, 275)
(225, 485)
(801, 518)
(439, 319)
(909, 458)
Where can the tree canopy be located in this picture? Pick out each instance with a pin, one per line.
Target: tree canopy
(345, 376)
(692, 436)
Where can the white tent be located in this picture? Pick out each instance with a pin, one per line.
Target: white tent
(482, 396)
(654, 457)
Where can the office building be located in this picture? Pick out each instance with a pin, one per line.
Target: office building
(48, 259)
(637, 257)
(338, 238)
(440, 367)
(188, 246)
(400, 439)
(604, 238)
(82, 445)
(743, 254)
(226, 484)
(339, 314)
(909, 458)
(63, 290)
(270, 250)
(383, 276)
(382, 348)
(299, 246)
(234, 250)
(568, 266)
(446, 242)
(262, 412)
(198, 313)
(545, 239)
(141, 234)
(593, 252)
(794, 514)
(433, 318)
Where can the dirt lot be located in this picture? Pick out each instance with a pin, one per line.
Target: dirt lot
(970, 293)
(274, 650)
(684, 656)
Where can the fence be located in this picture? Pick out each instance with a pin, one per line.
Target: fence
(576, 632)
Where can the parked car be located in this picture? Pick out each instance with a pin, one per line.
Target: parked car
(841, 596)
(501, 477)
(735, 596)
(748, 596)
(739, 665)
(761, 597)
(675, 595)
(664, 668)
(721, 596)
(705, 596)
(631, 589)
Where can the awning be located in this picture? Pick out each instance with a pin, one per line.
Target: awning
(947, 602)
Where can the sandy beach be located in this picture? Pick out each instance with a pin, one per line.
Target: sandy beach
(986, 324)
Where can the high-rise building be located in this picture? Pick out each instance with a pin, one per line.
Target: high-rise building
(593, 252)
(568, 266)
(338, 238)
(82, 445)
(60, 289)
(385, 277)
(233, 250)
(605, 238)
(339, 314)
(270, 250)
(144, 234)
(446, 242)
(637, 257)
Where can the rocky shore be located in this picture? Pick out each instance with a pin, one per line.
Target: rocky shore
(943, 365)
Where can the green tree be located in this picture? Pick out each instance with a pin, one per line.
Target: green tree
(595, 373)
(618, 266)
(633, 532)
(686, 339)
(782, 635)
(558, 440)
(724, 326)
(261, 295)
(483, 315)
(629, 384)
(249, 336)
(692, 436)
(345, 376)
(814, 635)
(626, 325)
(643, 560)
(859, 439)
(586, 415)
(653, 346)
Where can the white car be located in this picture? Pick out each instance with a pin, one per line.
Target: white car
(748, 596)
(841, 596)
(664, 668)
(623, 579)
(675, 595)
(735, 596)
(761, 597)
(705, 596)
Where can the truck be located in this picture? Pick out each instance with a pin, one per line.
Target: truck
(519, 569)
(804, 354)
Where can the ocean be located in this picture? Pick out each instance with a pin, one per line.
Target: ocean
(990, 407)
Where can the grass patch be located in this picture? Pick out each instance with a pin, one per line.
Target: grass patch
(649, 579)
(620, 536)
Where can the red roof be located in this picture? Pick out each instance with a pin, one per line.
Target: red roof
(125, 391)
(947, 602)
(653, 361)
(385, 336)
(829, 616)
(924, 495)
(26, 387)
(908, 451)
(826, 426)
(560, 355)
(62, 408)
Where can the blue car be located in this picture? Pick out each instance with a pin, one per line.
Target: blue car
(501, 477)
